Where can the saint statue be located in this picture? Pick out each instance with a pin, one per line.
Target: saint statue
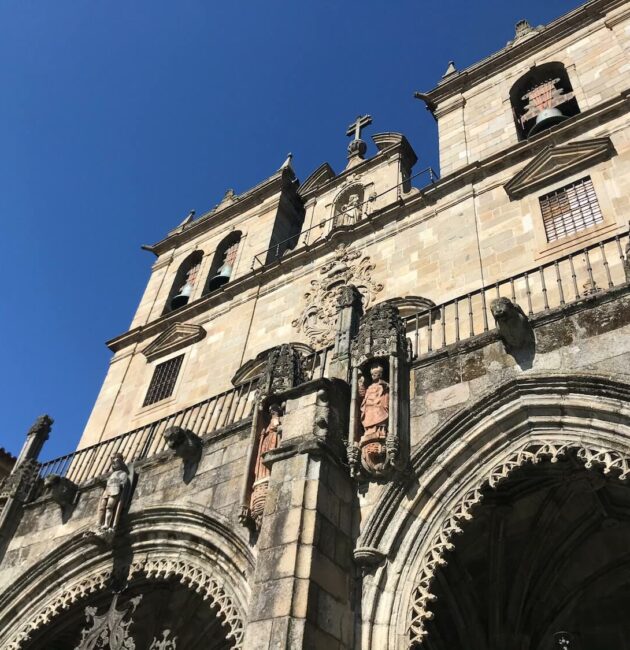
(115, 494)
(350, 212)
(375, 403)
(269, 439)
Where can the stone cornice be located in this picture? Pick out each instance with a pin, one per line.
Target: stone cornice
(413, 202)
(509, 55)
(281, 180)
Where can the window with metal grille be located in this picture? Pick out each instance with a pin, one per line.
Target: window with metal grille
(570, 209)
(163, 380)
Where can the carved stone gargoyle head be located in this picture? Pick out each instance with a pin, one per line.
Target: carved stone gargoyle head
(186, 445)
(61, 490)
(513, 324)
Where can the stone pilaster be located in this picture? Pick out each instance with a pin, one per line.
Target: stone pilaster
(301, 593)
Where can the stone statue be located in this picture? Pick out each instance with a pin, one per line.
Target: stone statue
(375, 402)
(350, 212)
(115, 495)
(269, 439)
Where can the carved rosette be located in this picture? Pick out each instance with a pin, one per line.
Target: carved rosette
(378, 438)
(319, 315)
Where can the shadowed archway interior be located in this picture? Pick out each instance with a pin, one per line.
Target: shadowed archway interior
(165, 610)
(546, 552)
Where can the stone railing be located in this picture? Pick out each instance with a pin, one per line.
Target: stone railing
(212, 415)
(556, 283)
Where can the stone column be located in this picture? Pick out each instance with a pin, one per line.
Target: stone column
(302, 588)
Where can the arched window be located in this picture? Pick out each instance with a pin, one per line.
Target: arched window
(223, 262)
(542, 98)
(349, 206)
(185, 280)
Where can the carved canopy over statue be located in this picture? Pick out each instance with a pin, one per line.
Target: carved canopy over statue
(379, 417)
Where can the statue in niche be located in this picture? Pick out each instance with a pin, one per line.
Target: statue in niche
(375, 404)
(374, 419)
(350, 212)
(378, 435)
(115, 495)
(269, 439)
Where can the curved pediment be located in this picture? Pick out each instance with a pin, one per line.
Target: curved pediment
(319, 177)
(554, 163)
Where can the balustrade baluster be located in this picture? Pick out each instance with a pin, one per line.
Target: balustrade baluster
(543, 286)
(529, 295)
(559, 283)
(484, 309)
(456, 302)
(471, 331)
(417, 336)
(443, 319)
(574, 277)
(589, 270)
(512, 290)
(429, 333)
(602, 249)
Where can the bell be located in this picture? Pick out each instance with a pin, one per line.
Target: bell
(547, 118)
(182, 297)
(222, 277)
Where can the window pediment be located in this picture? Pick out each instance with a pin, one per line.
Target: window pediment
(176, 337)
(554, 163)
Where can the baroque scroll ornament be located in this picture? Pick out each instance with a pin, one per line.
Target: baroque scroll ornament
(319, 315)
(607, 460)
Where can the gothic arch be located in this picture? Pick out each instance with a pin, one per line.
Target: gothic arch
(198, 551)
(524, 421)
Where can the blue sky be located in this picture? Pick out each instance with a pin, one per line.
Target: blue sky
(117, 118)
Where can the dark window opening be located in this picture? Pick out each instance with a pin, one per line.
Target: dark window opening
(187, 276)
(570, 209)
(224, 261)
(542, 98)
(163, 380)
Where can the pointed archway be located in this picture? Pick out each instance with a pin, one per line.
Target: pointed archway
(414, 527)
(546, 553)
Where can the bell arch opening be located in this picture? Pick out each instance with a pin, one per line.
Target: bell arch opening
(151, 614)
(542, 98)
(542, 562)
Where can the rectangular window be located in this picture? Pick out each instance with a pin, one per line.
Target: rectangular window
(570, 209)
(163, 380)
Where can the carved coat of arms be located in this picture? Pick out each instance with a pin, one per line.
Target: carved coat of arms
(319, 315)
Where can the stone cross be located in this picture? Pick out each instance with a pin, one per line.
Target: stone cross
(360, 123)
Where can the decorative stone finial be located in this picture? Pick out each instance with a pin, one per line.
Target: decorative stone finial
(451, 69)
(287, 163)
(522, 28)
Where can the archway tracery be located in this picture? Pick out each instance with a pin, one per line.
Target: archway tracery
(180, 546)
(522, 422)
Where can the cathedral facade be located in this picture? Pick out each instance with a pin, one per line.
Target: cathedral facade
(380, 409)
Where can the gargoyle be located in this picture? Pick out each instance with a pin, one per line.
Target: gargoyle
(186, 445)
(61, 490)
(513, 324)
